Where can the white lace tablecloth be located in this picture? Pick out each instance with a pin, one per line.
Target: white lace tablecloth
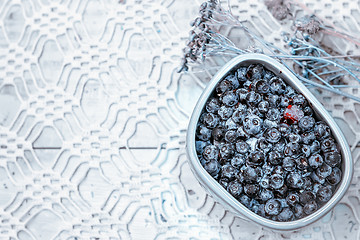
(93, 118)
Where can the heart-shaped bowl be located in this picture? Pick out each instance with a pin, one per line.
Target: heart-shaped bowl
(218, 192)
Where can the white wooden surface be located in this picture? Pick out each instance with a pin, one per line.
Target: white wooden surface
(93, 120)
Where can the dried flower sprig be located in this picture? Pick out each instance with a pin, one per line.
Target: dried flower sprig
(310, 62)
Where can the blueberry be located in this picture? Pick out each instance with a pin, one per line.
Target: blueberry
(285, 215)
(322, 130)
(226, 150)
(254, 203)
(306, 123)
(253, 98)
(324, 170)
(268, 75)
(274, 157)
(288, 164)
(211, 152)
(267, 168)
(292, 149)
(231, 136)
(333, 159)
(245, 200)
(284, 129)
(213, 105)
(277, 86)
(328, 145)
(242, 147)
(265, 182)
(292, 198)
(237, 161)
(281, 192)
(229, 98)
(305, 150)
(270, 124)
(261, 87)
(213, 168)
(324, 194)
(310, 207)
(273, 114)
(315, 147)
(335, 176)
(239, 113)
(279, 170)
(274, 100)
(218, 133)
(241, 74)
(308, 111)
(263, 106)
(280, 146)
(251, 174)
(298, 211)
(308, 137)
(296, 129)
(284, 101)
(316, 187)
(242, 93)
(242, 134)
(224, 182)
(231, 125)
(263, 145)
(241, 177)
(235, 188)
(272, 135)
(247, 84)
(316, 178)
(199, 146)
(272, 207)
(255, 72)
(299, 100)
(302, 163)
(289, 91)
(259, 209)
(224, 86)
(251, 190)
(265, 195)
(276, 181)
(233, 80)
(225, 112)
(283, 202)
(252, 110)
(211, 120)
(306, 196)
(295, 138)
(252, 124)
(316, 161)
(295, 180)
(203, 133)
(228, 171)
(256, 158)
(202, 160)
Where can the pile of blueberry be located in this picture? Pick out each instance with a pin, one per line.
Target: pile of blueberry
(260, 140)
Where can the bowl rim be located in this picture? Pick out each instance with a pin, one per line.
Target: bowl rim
(219, 192)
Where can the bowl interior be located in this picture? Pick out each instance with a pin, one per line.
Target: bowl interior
(216, 190)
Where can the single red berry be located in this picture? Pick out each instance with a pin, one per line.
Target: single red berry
(293, 113)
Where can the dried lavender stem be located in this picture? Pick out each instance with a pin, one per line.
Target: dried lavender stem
(209, 42)
(329, 89)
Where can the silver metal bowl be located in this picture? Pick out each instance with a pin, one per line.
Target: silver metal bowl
(218, 192)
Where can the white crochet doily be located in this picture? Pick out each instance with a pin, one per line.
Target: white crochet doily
(93, 118)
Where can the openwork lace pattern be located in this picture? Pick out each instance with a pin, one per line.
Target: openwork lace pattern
(93, 119)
